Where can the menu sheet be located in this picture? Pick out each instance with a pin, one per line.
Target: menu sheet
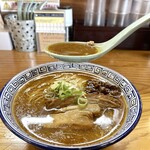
(50, 28)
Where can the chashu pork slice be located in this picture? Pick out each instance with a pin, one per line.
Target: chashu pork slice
(75, 118)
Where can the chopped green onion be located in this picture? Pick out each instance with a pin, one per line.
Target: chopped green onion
(63, 89)
(82, 102)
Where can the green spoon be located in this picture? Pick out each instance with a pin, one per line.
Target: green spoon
(104, 47)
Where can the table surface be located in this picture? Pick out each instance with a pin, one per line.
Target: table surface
(133, 64)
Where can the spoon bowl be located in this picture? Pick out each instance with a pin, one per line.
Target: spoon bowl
(102, 48)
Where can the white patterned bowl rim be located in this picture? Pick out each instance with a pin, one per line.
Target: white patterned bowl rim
(131, 94)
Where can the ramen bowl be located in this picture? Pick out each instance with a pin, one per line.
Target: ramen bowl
(131, 96)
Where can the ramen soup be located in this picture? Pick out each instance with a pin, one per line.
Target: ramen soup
(72, 49)
(71, 108)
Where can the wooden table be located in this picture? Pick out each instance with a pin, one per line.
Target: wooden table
(133, 64)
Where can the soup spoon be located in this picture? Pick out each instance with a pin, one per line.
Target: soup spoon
(105, 47)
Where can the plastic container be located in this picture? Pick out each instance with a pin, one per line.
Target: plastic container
(95, 13)
(139, 9)
(118, 13)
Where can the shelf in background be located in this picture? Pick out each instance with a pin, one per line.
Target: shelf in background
(139, 40)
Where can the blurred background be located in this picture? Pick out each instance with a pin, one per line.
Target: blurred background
(100, 20)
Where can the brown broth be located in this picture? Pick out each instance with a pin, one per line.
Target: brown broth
(29, 113)
(72, 49)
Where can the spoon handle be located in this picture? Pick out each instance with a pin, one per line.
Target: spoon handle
(121, 36)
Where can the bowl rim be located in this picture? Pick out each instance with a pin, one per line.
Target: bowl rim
(51, 146)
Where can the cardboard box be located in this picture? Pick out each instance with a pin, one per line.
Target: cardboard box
(5, 40)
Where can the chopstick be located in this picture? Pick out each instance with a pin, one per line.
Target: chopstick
(19, 9)
(26, 11)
